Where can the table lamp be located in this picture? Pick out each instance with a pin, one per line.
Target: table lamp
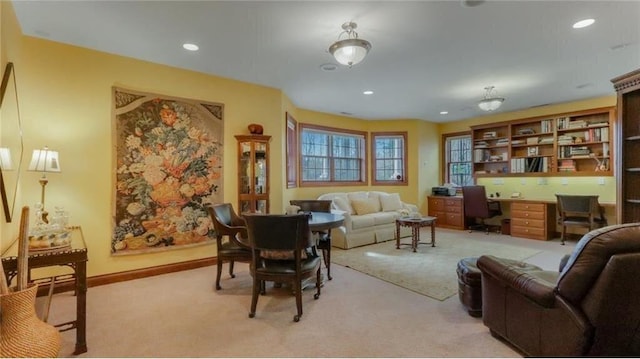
(5, 159)
(44, 161)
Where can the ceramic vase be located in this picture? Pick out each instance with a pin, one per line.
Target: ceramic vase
(23, 334)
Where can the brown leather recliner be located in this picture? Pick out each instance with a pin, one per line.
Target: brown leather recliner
(590, 308)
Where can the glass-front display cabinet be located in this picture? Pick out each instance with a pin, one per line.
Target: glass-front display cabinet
(253, 173)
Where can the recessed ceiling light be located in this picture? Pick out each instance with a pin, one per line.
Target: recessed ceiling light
(444, 112)
(368, 92)
(190, 47)
(583, 23)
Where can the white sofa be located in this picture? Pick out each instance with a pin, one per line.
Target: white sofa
(369, 217)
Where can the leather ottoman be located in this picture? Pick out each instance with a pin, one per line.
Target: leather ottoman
(470, 286)
(470, 283)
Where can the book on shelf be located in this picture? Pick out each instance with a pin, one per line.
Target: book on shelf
(546, 140)
(517, 142)
(532, 140)
(526, 131)
(546, 125)
(490, 134)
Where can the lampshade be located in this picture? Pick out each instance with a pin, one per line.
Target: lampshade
(5, 159)
(44, 160)
(490, 102)
(351, 50)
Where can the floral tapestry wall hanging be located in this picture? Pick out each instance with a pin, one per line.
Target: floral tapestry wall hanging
(168, 168)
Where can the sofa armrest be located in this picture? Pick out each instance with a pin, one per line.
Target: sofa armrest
(530, 284)
(347, 217)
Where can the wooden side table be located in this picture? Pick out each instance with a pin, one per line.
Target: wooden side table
(75, 257)
(416, 224)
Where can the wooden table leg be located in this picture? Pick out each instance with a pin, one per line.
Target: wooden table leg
(433, 234)
(415, 236)
(81, 308)
(397, 235)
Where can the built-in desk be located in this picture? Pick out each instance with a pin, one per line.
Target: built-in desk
(448, 210)
(530, 218)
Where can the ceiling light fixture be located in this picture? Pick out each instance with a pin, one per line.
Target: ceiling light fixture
(490, 102)
(583, 23)
(368, 92)
(351, 50)
(190, 47)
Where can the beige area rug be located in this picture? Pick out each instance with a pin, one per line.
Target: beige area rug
(430, 271)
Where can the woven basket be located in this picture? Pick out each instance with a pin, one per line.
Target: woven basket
(22, 333)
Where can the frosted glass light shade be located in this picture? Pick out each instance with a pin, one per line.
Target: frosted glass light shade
(350, 51)
(490, 104)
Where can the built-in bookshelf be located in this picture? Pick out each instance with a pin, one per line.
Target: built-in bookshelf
(627, 164)
(567, 144)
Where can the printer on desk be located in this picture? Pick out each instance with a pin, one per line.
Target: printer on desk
(443, 191)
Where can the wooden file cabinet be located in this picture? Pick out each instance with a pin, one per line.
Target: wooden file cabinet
(535, 220)
(448, 210)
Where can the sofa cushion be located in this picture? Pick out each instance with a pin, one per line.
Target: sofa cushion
(343, 205)
(375, 196)
(357, 195)
(384, 217)
(390, 202)
(365, 206)
(358, 222)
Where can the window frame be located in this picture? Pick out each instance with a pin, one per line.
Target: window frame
(292, 151)
(404, 181)
(445, 175)
(339, 132)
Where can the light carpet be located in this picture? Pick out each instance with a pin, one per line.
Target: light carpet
(430, 271)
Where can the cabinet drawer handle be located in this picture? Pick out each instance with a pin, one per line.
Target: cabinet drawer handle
(526, 214)
(526, 222)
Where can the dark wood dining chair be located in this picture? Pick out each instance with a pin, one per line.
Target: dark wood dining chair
(324, 237)
(227, 223)
(287, 233)
(579, 211)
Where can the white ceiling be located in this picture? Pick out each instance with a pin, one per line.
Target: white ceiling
(426, 56)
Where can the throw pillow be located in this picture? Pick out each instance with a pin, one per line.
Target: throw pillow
(343, 205)
(391, 202)
(365, 206)
(375, 196)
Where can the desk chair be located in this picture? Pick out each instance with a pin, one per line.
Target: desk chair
(324, 237)
(271, 232)
(477, 206)
(579, 211)
(227, 223)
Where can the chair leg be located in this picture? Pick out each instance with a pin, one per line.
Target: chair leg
(257, 284)
(219, 274)
(298, 288)
(318, 284)
(563, 234)
(231, 269)
(326, 256)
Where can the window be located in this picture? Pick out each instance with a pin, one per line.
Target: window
(458, 165)
(330, 156)
(389, 151)
(292, 151)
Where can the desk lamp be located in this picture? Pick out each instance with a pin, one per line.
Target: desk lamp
(44, 161)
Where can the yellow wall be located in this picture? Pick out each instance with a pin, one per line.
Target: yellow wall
(65, 102)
